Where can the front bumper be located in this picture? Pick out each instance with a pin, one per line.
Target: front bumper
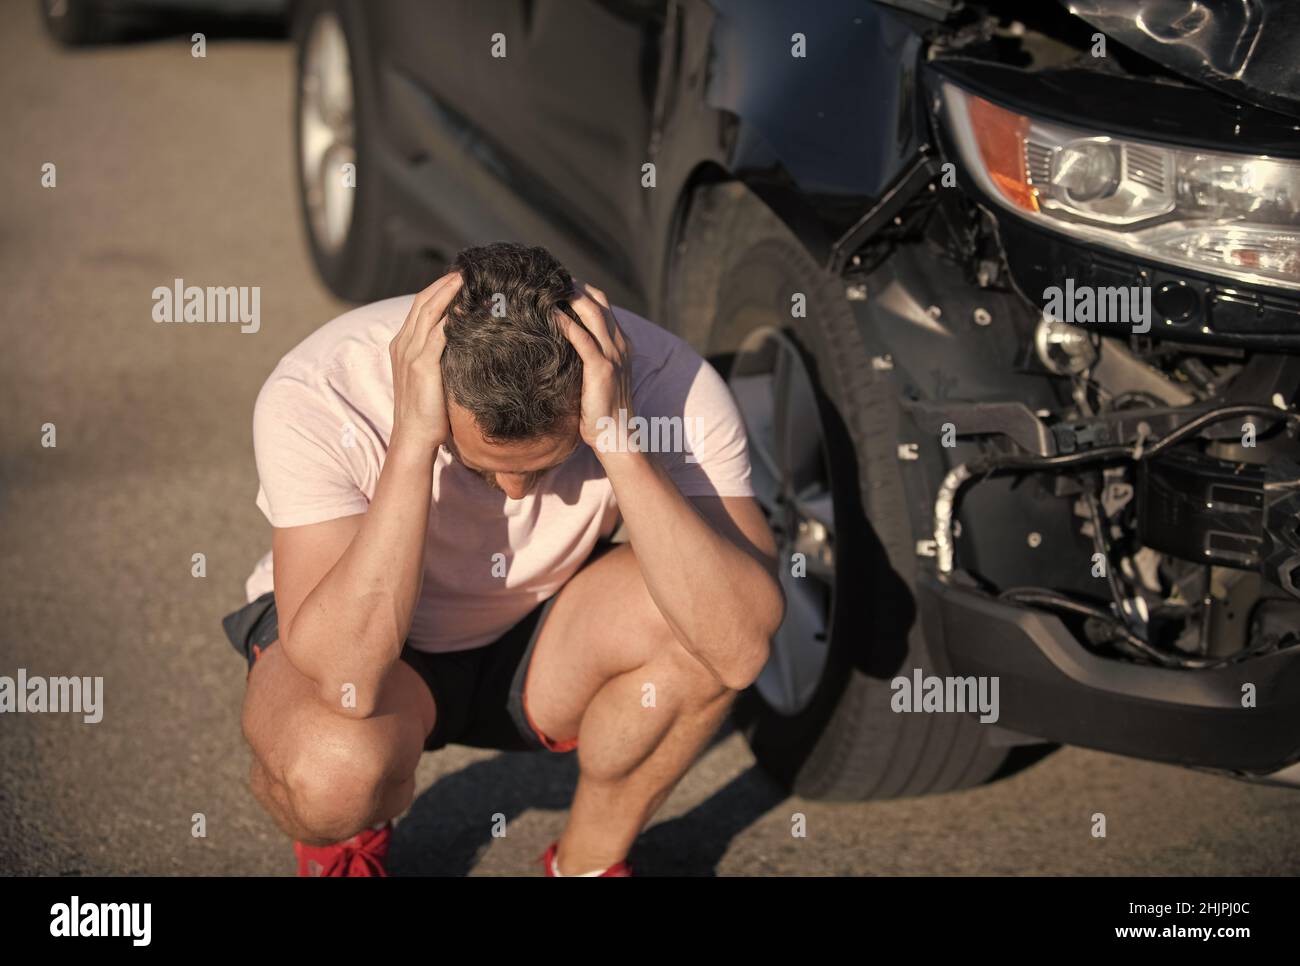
(1052, 688)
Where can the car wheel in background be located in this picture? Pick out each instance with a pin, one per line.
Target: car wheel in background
(823, 446)
(341, 186)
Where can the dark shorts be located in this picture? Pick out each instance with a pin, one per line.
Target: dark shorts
(479, 693)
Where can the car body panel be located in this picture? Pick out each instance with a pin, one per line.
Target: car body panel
(1247, 49)
(549, 144)
(718, 90)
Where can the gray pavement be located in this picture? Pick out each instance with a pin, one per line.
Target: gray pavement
(174, 167)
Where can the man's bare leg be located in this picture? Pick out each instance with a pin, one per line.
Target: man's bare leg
(322, 776)
(627, 773)
(608, 669)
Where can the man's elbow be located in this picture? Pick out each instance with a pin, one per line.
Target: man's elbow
(351, 699)
(342, 694)
(743, 670)
(753, 647)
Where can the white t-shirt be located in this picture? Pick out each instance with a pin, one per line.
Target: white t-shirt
(321, 428)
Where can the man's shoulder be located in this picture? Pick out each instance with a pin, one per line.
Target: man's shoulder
(350, 349)
(707, 458)
(664, 366)
(355, 337)
(647, 337)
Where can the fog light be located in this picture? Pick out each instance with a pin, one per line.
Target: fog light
(1062, 348)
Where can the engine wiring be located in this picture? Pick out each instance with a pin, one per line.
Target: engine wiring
(1051, 599)
(1122, 624)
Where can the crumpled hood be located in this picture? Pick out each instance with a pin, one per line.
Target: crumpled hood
(1249, 49)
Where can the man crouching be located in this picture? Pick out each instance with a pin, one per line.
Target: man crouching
(443, 473)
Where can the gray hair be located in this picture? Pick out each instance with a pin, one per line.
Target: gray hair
(513, 369)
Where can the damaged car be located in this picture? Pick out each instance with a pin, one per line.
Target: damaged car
(1008, 294)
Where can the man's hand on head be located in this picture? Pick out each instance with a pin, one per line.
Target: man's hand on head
(704, 559)
(606, 377)
(419, 403)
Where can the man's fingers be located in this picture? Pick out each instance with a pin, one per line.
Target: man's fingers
(428, 293)
(423, 298)
(588, 348)
(433, 309)
(616, 333)
(597, 320)
(437, 342)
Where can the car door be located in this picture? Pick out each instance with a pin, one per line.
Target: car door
(529, 120)
(580, 123)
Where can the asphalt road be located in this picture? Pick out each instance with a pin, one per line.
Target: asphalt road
(169, 167)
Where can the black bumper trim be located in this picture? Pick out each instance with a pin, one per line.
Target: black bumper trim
(1052, 687)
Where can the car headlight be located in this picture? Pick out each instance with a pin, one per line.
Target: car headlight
(1232, 215)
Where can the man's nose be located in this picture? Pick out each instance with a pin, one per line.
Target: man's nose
(515, 485)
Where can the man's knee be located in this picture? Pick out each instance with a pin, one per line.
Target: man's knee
(659, 645)
(335, 786)
(696, 679)
(684, 675)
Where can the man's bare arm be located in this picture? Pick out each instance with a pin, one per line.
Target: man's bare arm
(344, 627)
(346, 589)
(709, 564)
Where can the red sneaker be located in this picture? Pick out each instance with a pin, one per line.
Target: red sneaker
(361, 855)
(620, 870)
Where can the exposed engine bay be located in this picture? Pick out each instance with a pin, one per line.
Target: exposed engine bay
(1173, 438)
(1187, 489)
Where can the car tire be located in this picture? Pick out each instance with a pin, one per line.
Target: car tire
(346, 214)
(737, 270)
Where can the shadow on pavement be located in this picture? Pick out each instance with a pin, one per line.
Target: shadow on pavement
(449, 825)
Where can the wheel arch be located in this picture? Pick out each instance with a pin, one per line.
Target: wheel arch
(818, 137)
(734, 107)
(691, 319)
